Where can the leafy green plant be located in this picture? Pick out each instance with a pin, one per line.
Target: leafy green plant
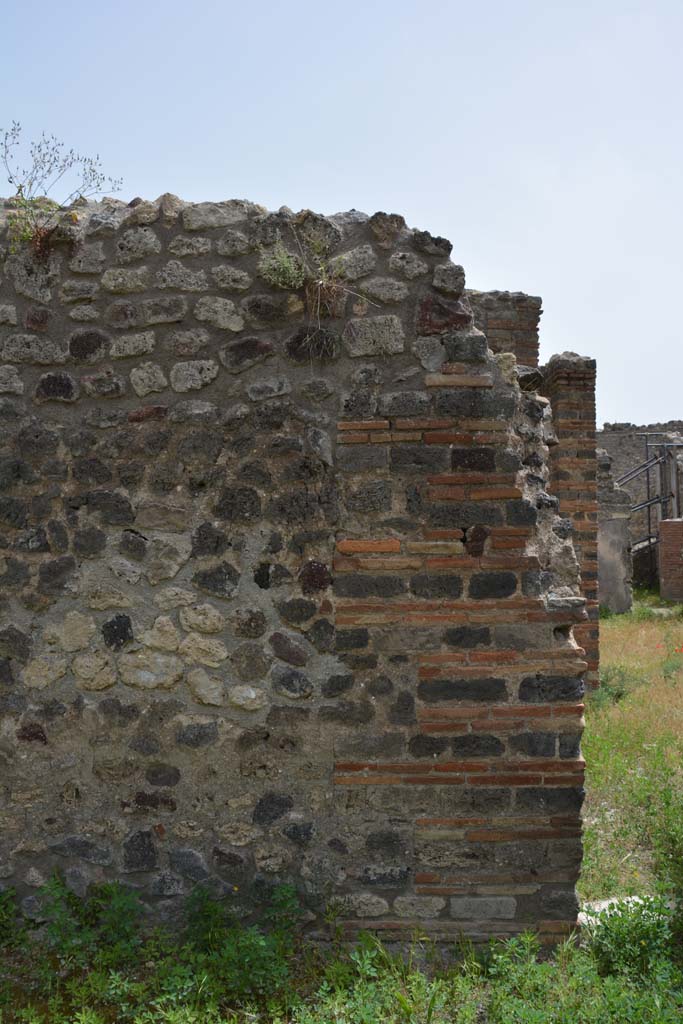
(646, 595)
(249, 964)
(106, 923)
(616, 681)
(284, 911)
(207, 920)
(325, 292)
(34, 215)
(180, 981)
(66, 926)
(115, 913)
(29, 1015)
(321, 279)
(672, 665)
(656, 611)
(87, 1016)
(632, 937)
(644, 613)
(651, 598)
(232, 973)
(12, 928)
(309, 269)
(282, 268)
(241, 963)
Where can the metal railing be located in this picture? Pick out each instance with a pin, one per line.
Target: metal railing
(660, 463)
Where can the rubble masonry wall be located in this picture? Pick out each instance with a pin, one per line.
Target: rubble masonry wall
(285, 593)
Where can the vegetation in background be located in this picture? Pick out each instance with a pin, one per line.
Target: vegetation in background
(633, 746)
(49, 167)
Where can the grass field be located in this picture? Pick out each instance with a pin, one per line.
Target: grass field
(633, 746)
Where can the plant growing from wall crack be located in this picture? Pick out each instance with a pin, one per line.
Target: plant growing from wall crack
(322, 281)
(35, 214)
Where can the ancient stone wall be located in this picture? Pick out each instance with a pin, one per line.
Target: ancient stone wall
(285, 594)
(615, 566)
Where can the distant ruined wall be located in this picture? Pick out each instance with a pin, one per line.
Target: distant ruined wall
(615, 565)
(285, 596)
(627, 451)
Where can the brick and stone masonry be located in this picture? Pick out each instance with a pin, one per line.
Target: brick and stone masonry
(286, 594)
(510, 322)
(569, 383)
(671, 559)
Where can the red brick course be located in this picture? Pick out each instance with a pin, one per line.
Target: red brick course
(671, 559)
(513, 712)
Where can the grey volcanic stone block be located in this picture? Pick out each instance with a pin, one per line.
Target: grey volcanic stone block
(374, 336)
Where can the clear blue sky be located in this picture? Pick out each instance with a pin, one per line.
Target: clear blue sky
(544, 139)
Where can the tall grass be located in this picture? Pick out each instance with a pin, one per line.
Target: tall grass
(633, 745)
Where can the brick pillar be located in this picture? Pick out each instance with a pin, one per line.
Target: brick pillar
(510, 322)
(570, 385)
(476, 766)
(671, 559)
